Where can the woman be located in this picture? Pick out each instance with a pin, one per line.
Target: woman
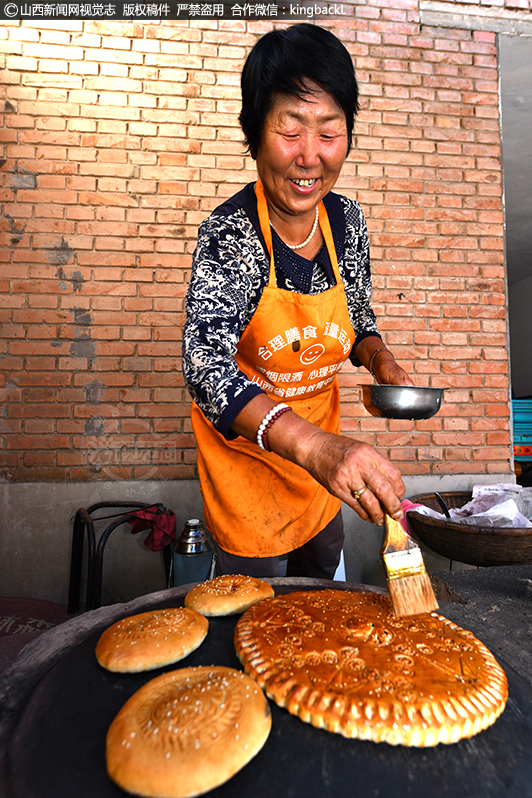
(278, 299)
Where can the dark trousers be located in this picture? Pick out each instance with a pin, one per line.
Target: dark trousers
(317, 558)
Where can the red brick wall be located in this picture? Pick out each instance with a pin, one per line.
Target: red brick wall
(120, 137)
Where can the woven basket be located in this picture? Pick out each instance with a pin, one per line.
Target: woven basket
(475, 545)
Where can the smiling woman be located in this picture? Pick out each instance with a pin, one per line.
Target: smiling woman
(278, 300)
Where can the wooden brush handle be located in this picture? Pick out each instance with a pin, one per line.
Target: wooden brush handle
(395, 537)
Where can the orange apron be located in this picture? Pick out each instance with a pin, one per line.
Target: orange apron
(256, 503)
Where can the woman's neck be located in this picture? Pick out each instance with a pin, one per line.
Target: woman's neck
(302, 233)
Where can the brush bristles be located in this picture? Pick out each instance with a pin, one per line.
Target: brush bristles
(412, 595)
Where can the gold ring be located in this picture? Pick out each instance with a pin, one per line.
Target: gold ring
(358, 493)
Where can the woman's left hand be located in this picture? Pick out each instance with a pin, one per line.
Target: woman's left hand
(388, 372)
(380, 362)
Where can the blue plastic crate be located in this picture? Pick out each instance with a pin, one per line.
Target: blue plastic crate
(522, 429)
(522, 411)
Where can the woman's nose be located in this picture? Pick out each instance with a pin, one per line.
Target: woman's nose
(308, 155)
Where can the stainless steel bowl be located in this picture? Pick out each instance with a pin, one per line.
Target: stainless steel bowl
(401, 401)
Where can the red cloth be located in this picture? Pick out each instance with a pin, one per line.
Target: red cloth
(407, 505)
(162, 527)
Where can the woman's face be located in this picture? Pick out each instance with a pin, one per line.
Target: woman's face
(302, 149)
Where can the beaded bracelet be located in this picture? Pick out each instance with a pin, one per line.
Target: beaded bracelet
(271, 416)
(374, 355)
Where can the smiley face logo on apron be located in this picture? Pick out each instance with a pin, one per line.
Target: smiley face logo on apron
(311, 354)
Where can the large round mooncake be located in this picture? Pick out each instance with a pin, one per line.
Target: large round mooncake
(344, 662)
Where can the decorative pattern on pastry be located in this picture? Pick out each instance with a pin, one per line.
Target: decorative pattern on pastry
(344, 662)
(227, 595)
(186, 732)
(151, 640)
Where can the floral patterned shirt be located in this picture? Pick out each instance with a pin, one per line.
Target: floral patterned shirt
(229, 272)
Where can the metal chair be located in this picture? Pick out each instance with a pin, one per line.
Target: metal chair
(84, 522)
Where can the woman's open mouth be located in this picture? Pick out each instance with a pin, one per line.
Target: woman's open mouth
(304, 183)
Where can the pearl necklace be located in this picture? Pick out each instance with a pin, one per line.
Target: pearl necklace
(307, 240)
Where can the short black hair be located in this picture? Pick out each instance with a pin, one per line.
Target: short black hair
(280, 62)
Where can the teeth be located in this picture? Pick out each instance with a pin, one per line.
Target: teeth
(305, 183)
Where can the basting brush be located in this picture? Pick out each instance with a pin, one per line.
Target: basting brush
(409, 586)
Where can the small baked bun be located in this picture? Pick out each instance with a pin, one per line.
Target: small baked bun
(227, 595)
(150, 640)
(187, 732)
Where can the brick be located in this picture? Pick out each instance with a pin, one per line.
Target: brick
(499, 468)
(39, 458)
(46, 442)
(21, 63)
(71, 458)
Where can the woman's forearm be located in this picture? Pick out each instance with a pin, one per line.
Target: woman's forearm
(339, 463)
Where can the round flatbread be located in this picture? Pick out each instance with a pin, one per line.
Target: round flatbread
(186, 732)
(151, 640)
(227, 595)
(344, 662)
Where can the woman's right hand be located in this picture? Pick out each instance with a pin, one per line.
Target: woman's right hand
(345, 466)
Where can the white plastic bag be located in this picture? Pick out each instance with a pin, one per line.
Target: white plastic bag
(499, 505)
